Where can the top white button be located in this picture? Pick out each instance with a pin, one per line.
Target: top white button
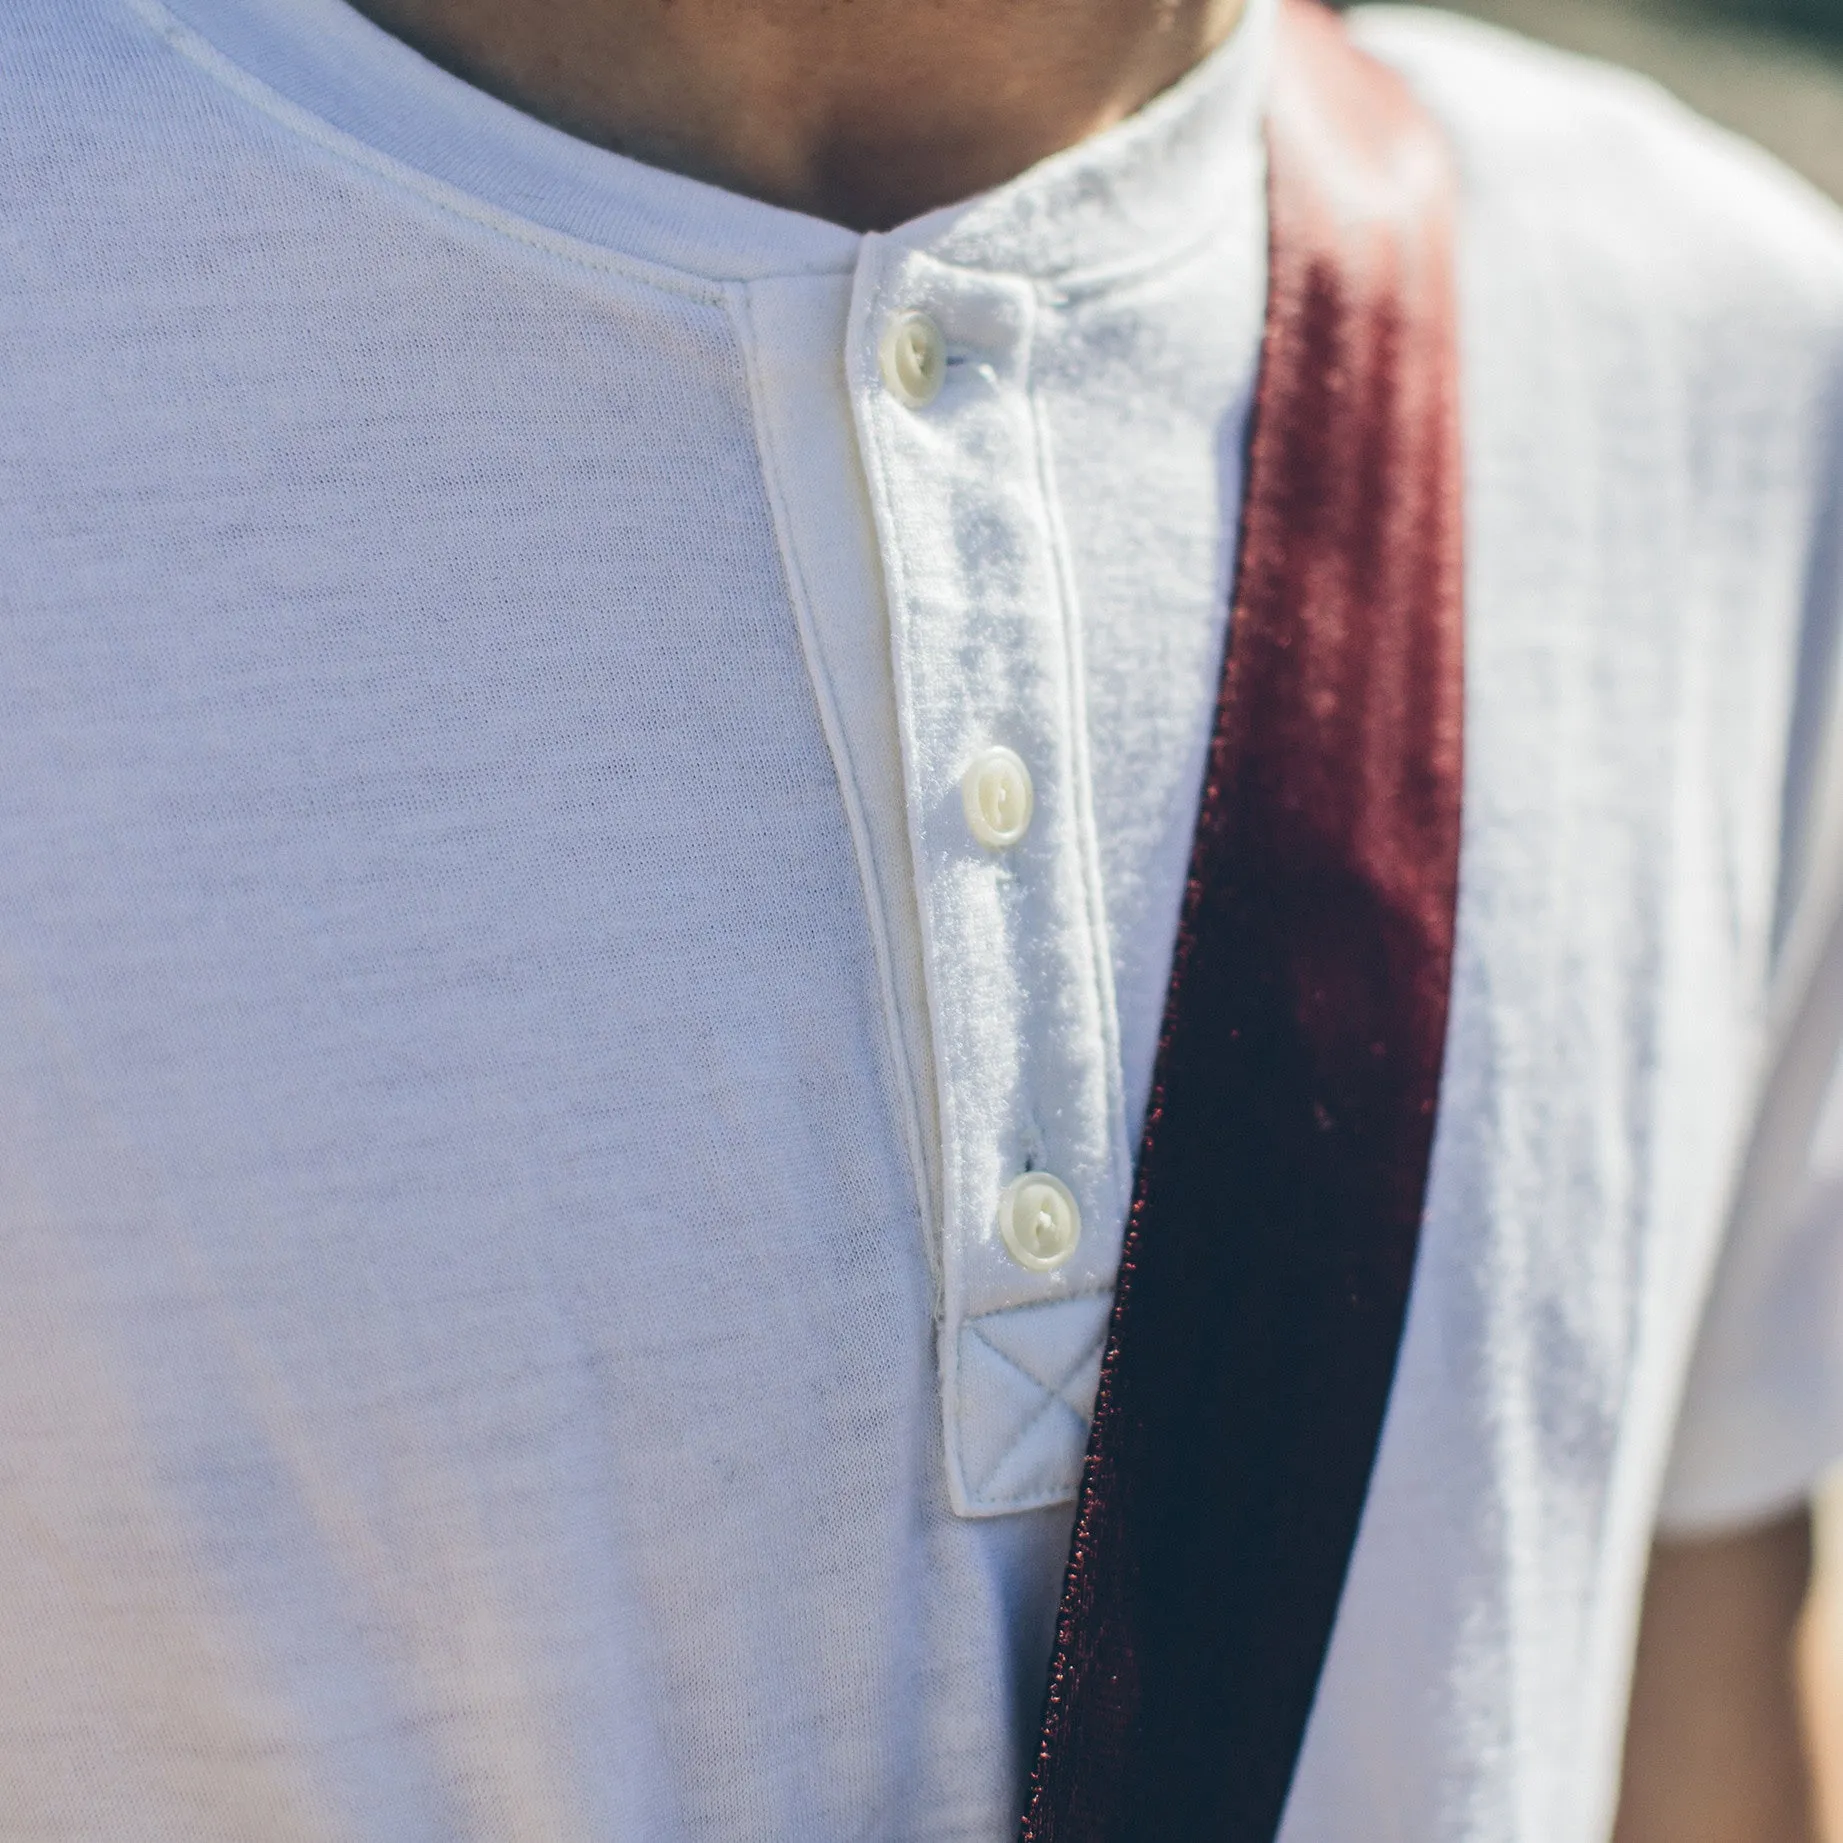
(914, 359)
(1038, 1217)
(998, 798)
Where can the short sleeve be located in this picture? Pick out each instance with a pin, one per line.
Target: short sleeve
(1762, 1415)
(1762, 1411)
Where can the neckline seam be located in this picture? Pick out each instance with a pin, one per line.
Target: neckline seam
(401, 176)
(708, 287)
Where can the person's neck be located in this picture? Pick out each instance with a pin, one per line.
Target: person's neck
(867, 112)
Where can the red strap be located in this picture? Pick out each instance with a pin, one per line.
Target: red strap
(1271, 1244)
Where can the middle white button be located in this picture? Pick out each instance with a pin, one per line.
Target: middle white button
(996, 792)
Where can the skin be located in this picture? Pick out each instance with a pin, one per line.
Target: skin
(867, 112)
(870, 112)
(1714, 1747)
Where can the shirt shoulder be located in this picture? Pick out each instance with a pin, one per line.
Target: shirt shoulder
(1602, 169)
(1651, 347)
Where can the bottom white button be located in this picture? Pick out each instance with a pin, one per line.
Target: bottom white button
(1038, 1217)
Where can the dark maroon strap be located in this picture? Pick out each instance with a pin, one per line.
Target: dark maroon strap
(1271, 1244)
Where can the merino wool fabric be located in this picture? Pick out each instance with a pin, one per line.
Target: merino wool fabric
(511, 1057)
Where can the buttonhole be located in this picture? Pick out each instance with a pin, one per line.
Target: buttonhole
(1033, 1145)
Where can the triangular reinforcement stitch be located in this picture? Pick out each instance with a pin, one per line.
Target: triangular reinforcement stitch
(1027, 1378)
(1048, 1341)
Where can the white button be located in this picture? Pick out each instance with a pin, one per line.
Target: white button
(995, 790)
(1039, 1220)
(914, 359)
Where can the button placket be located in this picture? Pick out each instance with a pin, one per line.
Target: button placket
(1033, 1178)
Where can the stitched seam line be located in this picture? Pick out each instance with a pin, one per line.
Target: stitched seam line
(229, 75)
(1049, 1401)
(1049, 1388)
(825, 695)
(1053, 1397)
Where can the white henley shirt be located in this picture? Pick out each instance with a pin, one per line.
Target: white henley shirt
(590, 770)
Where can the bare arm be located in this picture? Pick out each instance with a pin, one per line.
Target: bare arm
(1714, 1749)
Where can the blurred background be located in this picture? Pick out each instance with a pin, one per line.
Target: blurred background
(1773, 71)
